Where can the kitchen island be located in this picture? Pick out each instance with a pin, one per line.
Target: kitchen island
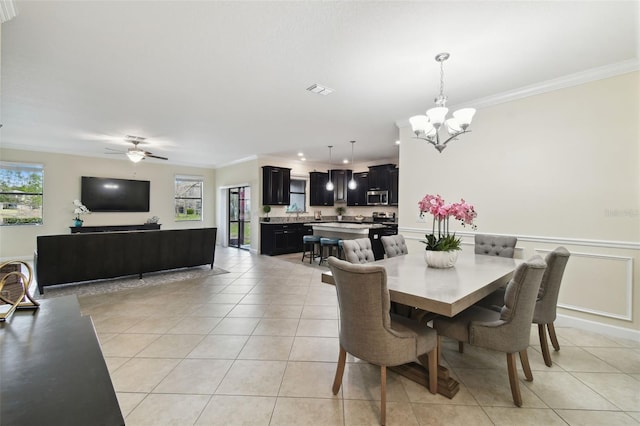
(351, 231)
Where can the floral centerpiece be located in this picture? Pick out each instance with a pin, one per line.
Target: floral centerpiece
(442, 212)
(79, 210)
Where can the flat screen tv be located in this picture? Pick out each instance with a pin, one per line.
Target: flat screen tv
(115, 195)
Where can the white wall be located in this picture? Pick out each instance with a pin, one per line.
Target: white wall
(560, 168)
(62, 175)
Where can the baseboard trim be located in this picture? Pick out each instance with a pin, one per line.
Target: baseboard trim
(606, 329)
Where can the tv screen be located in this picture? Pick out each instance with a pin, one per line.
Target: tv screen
(115, 195)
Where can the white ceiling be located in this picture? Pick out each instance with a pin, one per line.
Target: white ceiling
(209, 83)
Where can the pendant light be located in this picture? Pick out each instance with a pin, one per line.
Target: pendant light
(330, 183)
(352, 182)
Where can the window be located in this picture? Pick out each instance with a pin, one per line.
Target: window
(188, 198)
(298, 199)
(21, 193)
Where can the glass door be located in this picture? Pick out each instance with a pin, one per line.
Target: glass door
(240, 217)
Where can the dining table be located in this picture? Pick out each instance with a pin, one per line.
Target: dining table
(446, 292)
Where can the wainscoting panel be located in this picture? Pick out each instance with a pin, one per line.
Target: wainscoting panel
(599, 284)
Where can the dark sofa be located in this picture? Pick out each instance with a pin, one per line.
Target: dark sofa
(79, 257)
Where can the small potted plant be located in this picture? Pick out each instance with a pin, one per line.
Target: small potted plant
(266, 210)
(79, 210)
(340, 210)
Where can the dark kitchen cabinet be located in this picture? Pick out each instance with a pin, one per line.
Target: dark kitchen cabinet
(275, 185)
(393, 187)
(379, 177)
(282, 238)
(318, 194)
(358, 196)
(340, 179)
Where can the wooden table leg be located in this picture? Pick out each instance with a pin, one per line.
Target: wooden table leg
(447, 386)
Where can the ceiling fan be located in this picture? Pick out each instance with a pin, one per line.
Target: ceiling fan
(136, 154)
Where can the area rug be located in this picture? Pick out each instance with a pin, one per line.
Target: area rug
(127, 283)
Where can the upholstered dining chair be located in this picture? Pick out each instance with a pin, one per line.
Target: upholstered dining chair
(495, 245)
(545, 309)
(370, 333)
(505, 331)
(394, 245)
(358, 250)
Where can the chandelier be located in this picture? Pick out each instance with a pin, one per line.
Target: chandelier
(427, 127)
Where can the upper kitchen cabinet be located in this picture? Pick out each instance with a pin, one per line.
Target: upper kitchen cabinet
(275, 185)
(393, 187)
(379, 179)
(340, 179)
(358, 196)
(318, 194)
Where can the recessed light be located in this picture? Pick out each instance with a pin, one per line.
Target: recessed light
(300, 154)
(320, 90)
(398, 142)
(345, 161)
(303, 159)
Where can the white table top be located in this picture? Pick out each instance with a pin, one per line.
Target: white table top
(443, 291)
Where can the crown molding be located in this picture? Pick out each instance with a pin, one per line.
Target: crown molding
(7, 10)
(570, 80)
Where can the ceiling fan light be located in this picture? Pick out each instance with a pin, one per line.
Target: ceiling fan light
(135, 156)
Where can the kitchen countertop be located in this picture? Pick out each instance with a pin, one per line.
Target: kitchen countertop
(346, 228)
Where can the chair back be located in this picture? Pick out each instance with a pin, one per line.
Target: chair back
(494, 245)
(511, 332)
(545, 309)
(358, 250)
(394, 245)
(365, 322)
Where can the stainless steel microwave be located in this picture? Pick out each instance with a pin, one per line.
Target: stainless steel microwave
(377, 198)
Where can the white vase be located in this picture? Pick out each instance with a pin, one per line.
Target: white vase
(440, 259)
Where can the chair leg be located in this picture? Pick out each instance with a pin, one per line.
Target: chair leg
(461, 347)
(439, 358)
(513, 379)
(552, 335)
(383, 394)
(524, 360)
(544, 346)
(337, 381)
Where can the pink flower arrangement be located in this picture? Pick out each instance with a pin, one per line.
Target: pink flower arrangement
(441, 212)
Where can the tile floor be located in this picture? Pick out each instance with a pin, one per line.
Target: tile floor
(259, 345)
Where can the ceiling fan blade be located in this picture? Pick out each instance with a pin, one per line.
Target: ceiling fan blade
(150, 155)
(115, 151)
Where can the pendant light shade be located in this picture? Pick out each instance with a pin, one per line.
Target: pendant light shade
(352, 183)
(330, 183)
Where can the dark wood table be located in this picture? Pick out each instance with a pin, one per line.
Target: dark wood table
(441, 291)
(52, 369)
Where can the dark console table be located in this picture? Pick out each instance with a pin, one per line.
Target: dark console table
(53, 371)
(113, 228)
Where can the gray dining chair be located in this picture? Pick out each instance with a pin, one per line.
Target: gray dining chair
(369, 332)
(505, 331)
(495, 245)
(358, 250)
(394, 245)
(544, 313)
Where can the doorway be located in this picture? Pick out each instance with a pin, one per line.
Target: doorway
(240, 217)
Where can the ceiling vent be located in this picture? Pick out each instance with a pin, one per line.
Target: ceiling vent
(320, 90)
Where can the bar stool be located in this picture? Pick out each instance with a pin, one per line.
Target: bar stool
(327, 245)
(340, 250)
(309, 242)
